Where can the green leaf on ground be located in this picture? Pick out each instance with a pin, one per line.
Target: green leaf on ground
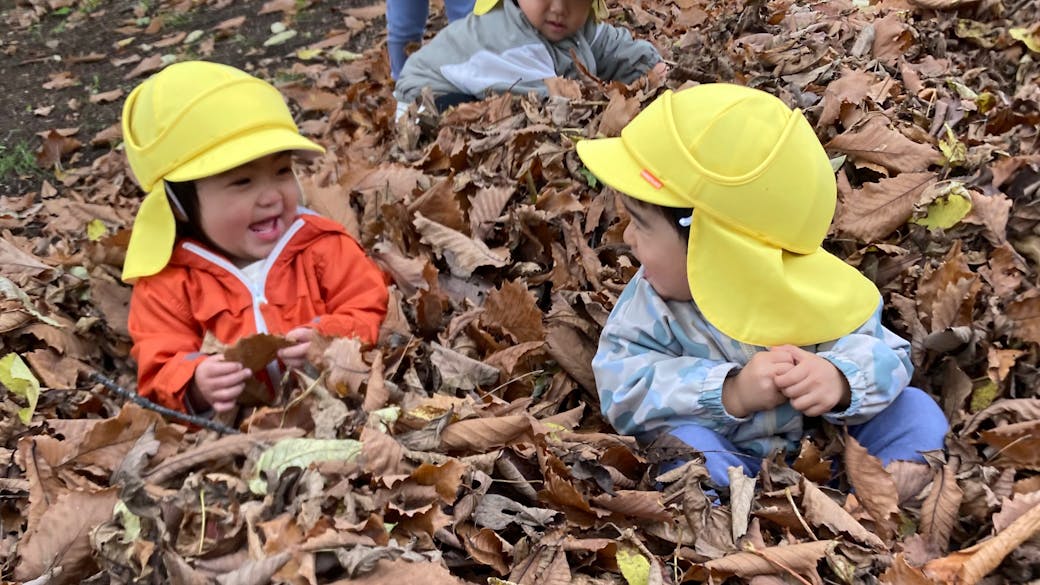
(300, 453)
(19, 379)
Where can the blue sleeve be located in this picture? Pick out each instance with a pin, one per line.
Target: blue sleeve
(619, 57)
(653, 371)
(876, 362)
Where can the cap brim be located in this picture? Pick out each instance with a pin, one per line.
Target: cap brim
(609, 160)
(242, 149)
(767, 296)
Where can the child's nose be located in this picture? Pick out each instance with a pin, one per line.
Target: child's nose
(270, 194)
(557, 7)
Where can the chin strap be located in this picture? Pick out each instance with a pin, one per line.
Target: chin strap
(178, 210)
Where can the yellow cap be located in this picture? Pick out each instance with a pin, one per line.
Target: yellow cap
(189, 121)
(764, 194)
(598, 8)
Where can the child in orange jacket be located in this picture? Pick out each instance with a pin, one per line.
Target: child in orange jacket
(219, 245)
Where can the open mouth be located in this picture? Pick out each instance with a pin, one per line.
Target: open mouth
(267, 228)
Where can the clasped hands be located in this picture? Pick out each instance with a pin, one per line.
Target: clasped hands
(786, 373)
(219, 382)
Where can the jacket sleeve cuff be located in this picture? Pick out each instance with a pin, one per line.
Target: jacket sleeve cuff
(856, 381)
(711, 397)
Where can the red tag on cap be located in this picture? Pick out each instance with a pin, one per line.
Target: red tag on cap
(650, 178)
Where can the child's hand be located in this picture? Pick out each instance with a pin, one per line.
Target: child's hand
(754, 388)
(218, 382)
(295, 356)
(814, 385)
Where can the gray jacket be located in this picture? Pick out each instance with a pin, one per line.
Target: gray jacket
(500, 51)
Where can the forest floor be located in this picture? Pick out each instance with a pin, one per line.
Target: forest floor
(467, 446)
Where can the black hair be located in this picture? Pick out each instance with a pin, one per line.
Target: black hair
(675, 214)
(191, 226)
(672, 214)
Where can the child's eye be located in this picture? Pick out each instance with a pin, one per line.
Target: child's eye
(286, 170)
(240, 182)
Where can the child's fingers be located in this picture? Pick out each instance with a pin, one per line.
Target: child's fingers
(796, 389)
(792, 353)
(224, 405)
(294, 352)
(233, 380)
(781, 369)
(796, 374)
(300, 334)
(218, 366)
(807, 405)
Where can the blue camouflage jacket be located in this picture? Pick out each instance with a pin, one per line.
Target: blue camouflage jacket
(660, 365)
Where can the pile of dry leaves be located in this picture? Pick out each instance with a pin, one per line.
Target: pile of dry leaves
(467, 446)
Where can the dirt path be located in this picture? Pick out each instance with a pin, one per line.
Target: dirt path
(71, 67)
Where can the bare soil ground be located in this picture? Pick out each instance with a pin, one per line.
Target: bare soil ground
(68, 64)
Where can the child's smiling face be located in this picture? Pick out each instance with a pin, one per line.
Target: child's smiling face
(556, 19)
(247, 209)
(659, 248)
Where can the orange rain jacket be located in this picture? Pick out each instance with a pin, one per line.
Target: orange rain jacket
(317, 275)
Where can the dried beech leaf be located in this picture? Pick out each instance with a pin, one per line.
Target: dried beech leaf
(480, 435)
(820, 510)
(486, 207)
(402, 571)
(940, 509)
(256, 351)
(462, 253)
(383, 457)
(876, 210)
(1025, 315)
(460, 371)
(255, 572)
(62, 536)
(970, 565)
(1014, 508)
(876, 142)
(901, 573)
(488, 548)
(512, 307)
(347, 369)
(634, 504)
(1018, 444)
(874, 487)
(775, 560)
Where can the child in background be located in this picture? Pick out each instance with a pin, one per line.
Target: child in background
(406, 22)
(219, 245)
(761, 327)
(515, 45)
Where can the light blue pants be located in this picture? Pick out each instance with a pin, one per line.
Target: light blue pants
(911, 424)
(406, 21)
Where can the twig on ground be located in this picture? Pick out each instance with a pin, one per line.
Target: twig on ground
(168, 412)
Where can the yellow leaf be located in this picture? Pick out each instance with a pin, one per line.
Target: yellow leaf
(279, 38)
(1031, 38)
(308, 54)
(945, 211)
(19, 379)
(341, 55)
(986, 101)
(954, 150)
(634, 566)
(96, 229)
(984, 395)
